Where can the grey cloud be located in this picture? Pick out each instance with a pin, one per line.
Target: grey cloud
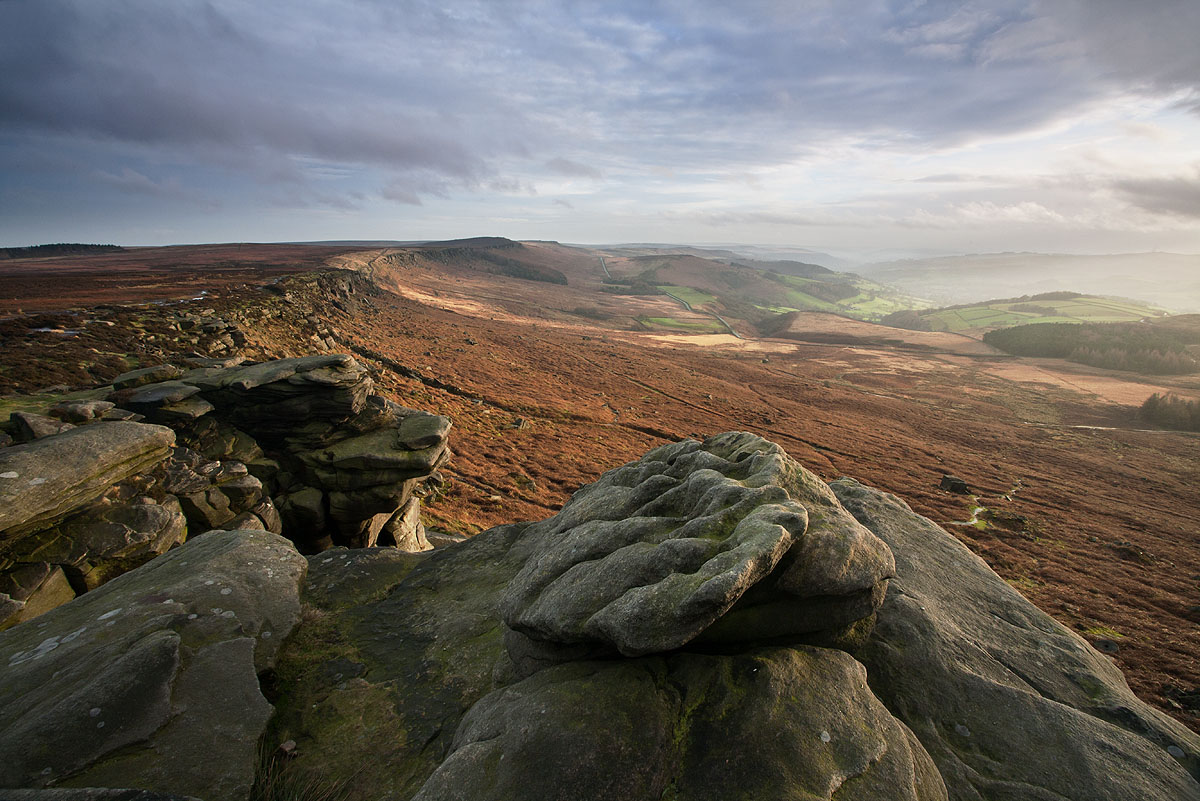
(133, 181)
(566, 204)
(430, 97)
(1175, 196)
(572, 169)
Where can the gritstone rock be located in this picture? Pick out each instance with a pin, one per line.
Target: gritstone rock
(151, 681)
(1008, 702)
(651, 555)
(44, 480)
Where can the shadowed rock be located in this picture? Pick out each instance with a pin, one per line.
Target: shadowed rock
(1008, 702)
(151, 680)
(774, 723)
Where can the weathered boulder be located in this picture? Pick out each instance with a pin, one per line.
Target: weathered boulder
(651, 555)
(151, 681)
(954, 484)
(43, 481)
(772, 723)
(405, 655)
(1009, 703)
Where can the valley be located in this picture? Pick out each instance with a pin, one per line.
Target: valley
(1090, 514)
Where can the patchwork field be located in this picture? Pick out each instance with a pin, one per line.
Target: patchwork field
(1000, 314)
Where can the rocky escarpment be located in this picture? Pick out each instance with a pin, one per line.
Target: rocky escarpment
(110, 478)
(711, 621)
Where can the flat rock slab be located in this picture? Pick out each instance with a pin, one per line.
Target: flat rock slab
(42, 481)
(334, 370)
(655, 552)
(147, 375)
(1008, 702)
(151, 681)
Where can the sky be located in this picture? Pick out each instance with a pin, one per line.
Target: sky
(860, 127)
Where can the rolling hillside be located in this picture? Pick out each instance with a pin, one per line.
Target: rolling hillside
(1051, 307)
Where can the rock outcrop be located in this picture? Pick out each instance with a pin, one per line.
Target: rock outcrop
(712, 621)
(222, 443)
(342, 463)
(151, 681)
(653, 554)
(1008, 702)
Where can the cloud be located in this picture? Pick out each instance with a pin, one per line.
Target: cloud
(1179, 196)
(135, 182)
(573, 169)
(429, 101)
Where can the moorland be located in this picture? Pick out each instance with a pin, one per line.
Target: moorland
(558, 363)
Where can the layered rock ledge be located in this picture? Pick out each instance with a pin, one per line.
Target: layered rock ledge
(299, 446)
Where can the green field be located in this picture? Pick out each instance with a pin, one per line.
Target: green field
(871, 302)
(687, 326)
(1086, 309)
(693, 296)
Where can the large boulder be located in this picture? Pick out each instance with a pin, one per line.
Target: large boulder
(772, 723)
(43, 481)
(151, 681)
(654, 553)
(1009, 703)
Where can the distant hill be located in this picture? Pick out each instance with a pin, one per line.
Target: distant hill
(1048, 307)
(60, 249)
(490, 254)
(749, 289)
(1170, 280)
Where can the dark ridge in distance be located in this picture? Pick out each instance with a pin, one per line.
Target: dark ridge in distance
(58, 249)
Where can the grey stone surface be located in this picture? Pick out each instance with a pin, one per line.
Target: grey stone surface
(151, 680)
(1009, 703)
(30, 426)
(655, 552)
(83, 411)
(774, 723)
(51, 591)
(43, 481)
(147, 375)
(404, 529)
(420, 430)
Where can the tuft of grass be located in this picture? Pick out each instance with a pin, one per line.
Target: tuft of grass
(281, 779)
(1104, 631)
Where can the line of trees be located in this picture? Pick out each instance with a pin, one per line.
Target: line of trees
(1136, 347)
(58, 249)
(1171, 411)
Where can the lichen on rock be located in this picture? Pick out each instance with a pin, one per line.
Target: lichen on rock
(651, 555)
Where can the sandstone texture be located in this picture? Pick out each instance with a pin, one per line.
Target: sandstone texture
(1008, 702)
(151, 681)
(711, 621)
(652, 554)
(294, 446)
